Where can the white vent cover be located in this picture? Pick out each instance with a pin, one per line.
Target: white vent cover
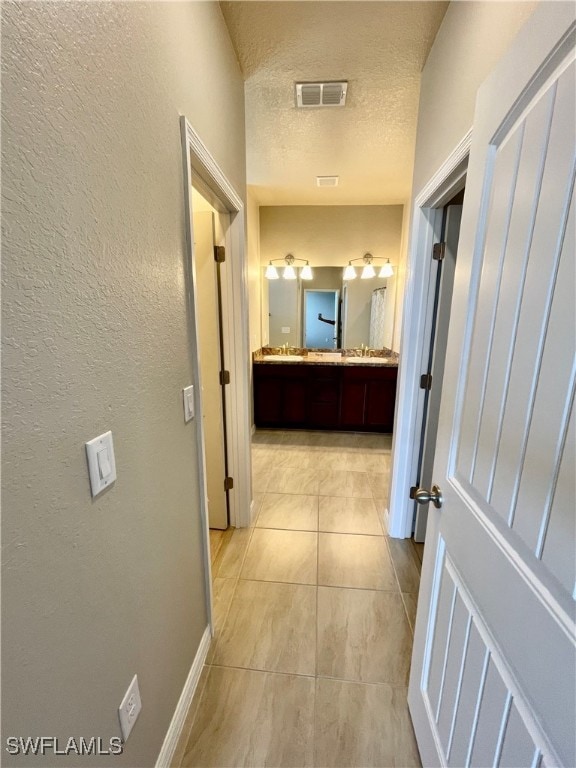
(327, 181)
(331, 94)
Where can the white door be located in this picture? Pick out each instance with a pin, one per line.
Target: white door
(493, 676)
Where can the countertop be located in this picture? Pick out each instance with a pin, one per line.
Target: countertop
(391, 359)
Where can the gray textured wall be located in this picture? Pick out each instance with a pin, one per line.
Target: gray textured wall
(95, 337)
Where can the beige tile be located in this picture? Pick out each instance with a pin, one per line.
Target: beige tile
(410, 604)
(370, 461)
(290, 511)
(270, 627)
(343, 440)
(216, 538)
(363, 562)
(260, 480)
(261, 462)
(338, 514)
(404, 560)
(222, 591)
(275, 555)
(376, 442)
(293, 458)
(229, 558)
(419, 547)
(253, 719)
(183, 741)
(342, 483)
(363, 635)
(267, 437)
(363, 725)
(291, 480)
(380, 484)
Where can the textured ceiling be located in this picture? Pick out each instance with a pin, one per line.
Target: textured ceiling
(380, 48)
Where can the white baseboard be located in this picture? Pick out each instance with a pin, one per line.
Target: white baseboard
(179, 717)
(386, 520)
(253, 430)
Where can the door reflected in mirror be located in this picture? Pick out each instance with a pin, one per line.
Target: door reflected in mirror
(328, 312)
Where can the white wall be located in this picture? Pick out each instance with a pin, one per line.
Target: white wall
(95, 337)
(254, 271)
(471, 39)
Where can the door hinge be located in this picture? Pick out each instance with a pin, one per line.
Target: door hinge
(228, 483)
(426, 381)
(413, 490)
(224, 377)
(438, 251)
(219, 254)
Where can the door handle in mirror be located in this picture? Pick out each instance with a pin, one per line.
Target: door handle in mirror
(423, 496)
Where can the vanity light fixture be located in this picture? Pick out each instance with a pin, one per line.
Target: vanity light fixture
(368, 270)
(289, 272)
(271, 272)
(386, 270)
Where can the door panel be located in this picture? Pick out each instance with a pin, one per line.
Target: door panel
(494, 660)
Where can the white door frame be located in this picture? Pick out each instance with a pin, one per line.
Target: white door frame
(197, 161)
(414, 343)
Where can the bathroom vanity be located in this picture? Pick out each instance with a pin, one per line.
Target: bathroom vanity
(334, 392)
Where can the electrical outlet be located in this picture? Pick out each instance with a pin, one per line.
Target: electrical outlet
(130, 707)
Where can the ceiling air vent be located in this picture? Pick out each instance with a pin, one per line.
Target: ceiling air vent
(331, 94)
(327, 181)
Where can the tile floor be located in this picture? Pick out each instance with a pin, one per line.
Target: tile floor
(314, 611)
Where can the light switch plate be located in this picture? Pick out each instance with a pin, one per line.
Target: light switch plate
(130, 707)
(285, 329)
(188, 396)
(101, 462)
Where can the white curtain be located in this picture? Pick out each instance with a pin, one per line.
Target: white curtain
(377, 318)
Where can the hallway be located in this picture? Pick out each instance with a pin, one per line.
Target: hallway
(314, 611)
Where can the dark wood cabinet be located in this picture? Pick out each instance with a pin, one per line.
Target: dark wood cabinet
(280, 396)
(368, 398)
(294, 395)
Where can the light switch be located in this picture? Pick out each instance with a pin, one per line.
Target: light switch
(101, 462)
(188, 396)
(285, 329)
(104, 468)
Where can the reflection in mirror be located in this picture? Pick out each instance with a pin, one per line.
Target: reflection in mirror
(362, 311)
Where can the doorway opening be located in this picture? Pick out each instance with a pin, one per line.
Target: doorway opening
(209, 230)
(440, 300)
(321, 318)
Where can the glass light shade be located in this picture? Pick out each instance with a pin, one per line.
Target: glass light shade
(368, 271)
(386, 270)
(289, 273)
(349, 273)
(271, 272)
(306, 272)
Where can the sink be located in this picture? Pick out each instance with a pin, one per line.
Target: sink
(284, 358)
(367, 360)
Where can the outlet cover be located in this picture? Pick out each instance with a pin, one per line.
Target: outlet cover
(130, 707)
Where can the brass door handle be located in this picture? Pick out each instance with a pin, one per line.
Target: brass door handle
(423, 496)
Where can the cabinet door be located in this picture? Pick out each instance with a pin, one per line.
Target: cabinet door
(324, 397)
(380, 401)
(353, 403)
(268, 398)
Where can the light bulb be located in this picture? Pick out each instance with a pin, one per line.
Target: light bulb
(368, 271)
(289, 273)
(271, 272)
(386, 270)
(306, 272)
(349, 273)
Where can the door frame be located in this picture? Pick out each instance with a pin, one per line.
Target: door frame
(415, 336)
(198, 164)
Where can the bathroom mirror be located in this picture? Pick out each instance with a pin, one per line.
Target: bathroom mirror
(334, 312)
